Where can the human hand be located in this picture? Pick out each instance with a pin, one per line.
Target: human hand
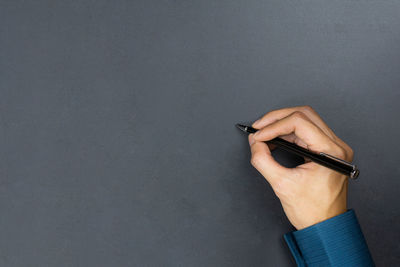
(309, 193)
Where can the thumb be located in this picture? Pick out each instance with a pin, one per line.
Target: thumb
(262, 160)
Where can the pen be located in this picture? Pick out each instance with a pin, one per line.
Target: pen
(321, 158)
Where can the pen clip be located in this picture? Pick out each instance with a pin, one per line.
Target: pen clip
(354, 173)
(335, 158)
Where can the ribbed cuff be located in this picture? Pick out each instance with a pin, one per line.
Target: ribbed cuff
(337, 241)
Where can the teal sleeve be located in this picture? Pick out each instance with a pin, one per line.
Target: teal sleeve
(337, 241)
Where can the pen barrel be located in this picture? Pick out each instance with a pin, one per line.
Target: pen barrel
(322, 159)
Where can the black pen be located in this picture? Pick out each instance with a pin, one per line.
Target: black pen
(321, 158)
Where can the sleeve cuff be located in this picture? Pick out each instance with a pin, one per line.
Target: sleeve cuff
(337, 241)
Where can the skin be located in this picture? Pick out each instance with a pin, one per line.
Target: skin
(309, 193)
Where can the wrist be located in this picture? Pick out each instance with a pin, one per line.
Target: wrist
(303, 218)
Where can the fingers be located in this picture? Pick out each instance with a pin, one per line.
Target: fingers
(263, 161)
(279, 114)
(309, 133)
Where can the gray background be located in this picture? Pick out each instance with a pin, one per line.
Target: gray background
(118, 145)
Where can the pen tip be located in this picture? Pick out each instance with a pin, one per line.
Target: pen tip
(241, 127)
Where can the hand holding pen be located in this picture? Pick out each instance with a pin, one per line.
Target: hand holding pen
(309, 193)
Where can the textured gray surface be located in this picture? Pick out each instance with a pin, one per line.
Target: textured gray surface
(93, 171)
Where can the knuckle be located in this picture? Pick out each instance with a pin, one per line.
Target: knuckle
(350, 153)
(340, 152)
(307, 108)
(298, 115)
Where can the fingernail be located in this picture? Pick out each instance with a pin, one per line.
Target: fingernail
(256, 122)
(251, 139)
